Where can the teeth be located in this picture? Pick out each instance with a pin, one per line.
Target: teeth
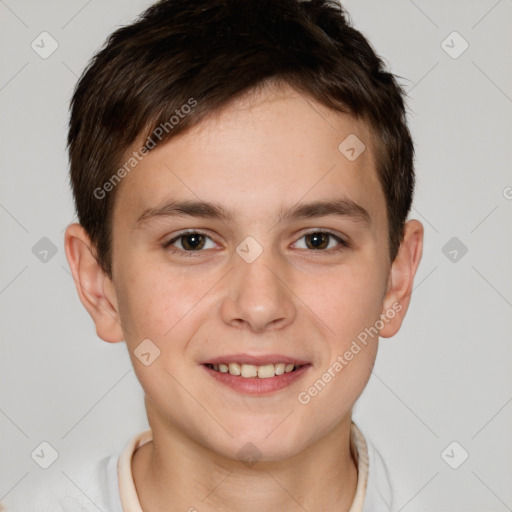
(250, 371)
(266, 371)
(280, 368)
(234, 369)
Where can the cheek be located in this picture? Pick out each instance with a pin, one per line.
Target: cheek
(156, 304)
(348, 305)
(145, 301)
(346, 300)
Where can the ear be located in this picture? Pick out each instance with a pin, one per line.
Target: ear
(95, 288)
(401, 278)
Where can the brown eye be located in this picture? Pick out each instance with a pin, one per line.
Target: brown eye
(189, 242)
(192, 242)
(317, 240)
(322, 241)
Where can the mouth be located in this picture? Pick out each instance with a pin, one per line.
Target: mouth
(250, 371)
(257, 376)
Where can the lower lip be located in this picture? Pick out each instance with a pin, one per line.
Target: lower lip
(257, 386)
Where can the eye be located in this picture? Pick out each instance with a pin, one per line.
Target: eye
(320, 241)
(192, 241)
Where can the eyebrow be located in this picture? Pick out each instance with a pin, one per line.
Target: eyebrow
(342, 207)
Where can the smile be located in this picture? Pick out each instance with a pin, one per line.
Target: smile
(262, 380)
(252, 371)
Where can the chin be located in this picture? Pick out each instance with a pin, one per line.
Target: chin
(253, 448)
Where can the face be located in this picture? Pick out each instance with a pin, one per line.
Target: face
(257, 276)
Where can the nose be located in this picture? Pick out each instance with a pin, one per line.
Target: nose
(259, 295)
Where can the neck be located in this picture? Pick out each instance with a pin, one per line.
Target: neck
(173, 472)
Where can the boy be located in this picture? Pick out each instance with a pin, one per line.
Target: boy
(242, 172)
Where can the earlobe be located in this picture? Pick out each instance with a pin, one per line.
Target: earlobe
(94, 287)
(401, 279)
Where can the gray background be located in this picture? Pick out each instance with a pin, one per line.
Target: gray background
(446, 376)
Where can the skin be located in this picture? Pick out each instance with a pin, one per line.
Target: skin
(264, 151)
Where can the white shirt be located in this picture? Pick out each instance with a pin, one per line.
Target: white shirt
(108, 485)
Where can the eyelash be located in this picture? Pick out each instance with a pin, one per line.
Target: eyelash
(343, 244)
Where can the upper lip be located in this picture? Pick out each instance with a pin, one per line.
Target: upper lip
(255, 360)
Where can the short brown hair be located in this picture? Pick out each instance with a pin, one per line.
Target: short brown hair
(212, 51)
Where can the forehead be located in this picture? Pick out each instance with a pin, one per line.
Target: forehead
(263, 150)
